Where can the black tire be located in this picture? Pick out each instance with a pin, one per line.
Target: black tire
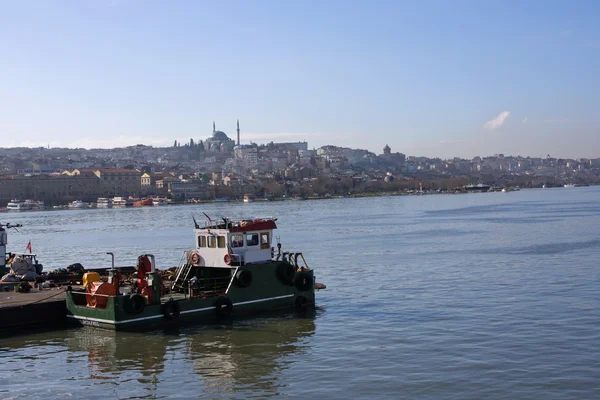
(301, 304)
(243, 278)
(171, 309)
(285, 273)
(303, 281)
(223, 307)
(137, 302)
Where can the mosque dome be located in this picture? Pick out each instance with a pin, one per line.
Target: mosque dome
(220, 135)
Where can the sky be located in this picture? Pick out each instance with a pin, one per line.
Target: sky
(428, 78)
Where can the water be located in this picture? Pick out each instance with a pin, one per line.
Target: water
(473, 296)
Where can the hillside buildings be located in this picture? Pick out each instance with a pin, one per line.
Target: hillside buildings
(221, 167)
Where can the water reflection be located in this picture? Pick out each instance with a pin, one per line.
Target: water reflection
(249, 356)
(245, 356)
(108, 352)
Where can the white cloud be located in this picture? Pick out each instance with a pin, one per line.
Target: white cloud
(498, 121)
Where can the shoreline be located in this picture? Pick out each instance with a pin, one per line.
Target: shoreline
(279, 199)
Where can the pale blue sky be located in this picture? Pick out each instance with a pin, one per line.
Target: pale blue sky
(424, 77)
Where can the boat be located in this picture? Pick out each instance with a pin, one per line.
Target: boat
(143, 202)
(248, 198)
(22, 266)
(103, 202)
(4, 256)
(232, 270)
(480, 187)
(122, 202)
(35, 204)
(572, 185)
(17, 205)
(79, 204)
(159, 201)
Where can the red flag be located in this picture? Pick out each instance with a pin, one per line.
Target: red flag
(28, 247)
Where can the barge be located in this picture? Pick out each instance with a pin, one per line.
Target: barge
(232, 269)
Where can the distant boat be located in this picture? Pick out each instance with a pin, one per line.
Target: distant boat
(477, 188)
(17, 205)
(122, 202)
(159, 201)
(79, 204)
(143, 202)
(571, 185)
(103, 202)
(35, 204)
(248, 198)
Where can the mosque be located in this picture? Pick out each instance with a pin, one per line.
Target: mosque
(219, 142)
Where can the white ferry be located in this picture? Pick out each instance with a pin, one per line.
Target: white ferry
(122, 202)
(103, 202)
(248, 198)
(35, 204)
(17, 205)
(79, 204)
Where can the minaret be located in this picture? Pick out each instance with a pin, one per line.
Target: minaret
(238, 131)
(214, 129)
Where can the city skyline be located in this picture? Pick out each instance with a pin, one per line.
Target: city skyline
(429, 79)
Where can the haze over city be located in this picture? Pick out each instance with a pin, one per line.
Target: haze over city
(434, 78)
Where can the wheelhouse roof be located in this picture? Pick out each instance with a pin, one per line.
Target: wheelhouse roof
(242, 225)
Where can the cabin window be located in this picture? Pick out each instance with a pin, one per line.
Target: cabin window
(252, 239)
(201, 241)
(265, 243)
(237, 240)
(221, 242)
(211, 241)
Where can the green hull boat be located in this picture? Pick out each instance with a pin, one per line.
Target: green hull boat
(233, 270)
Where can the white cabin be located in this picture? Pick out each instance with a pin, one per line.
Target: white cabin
(233, 242)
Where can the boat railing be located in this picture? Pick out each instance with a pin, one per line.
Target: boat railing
(183, 270)
(208, 287)
(293, 258)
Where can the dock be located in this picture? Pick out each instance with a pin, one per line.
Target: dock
(40, 308)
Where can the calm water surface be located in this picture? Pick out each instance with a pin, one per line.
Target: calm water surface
(479, 296)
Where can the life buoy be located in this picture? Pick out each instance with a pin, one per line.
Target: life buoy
(195, 258)
(285, 273)
(243, 278)
(223, 307)
(227, 259)
(171, 309)
(303, 281)
(301, 304)
(137, 302)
